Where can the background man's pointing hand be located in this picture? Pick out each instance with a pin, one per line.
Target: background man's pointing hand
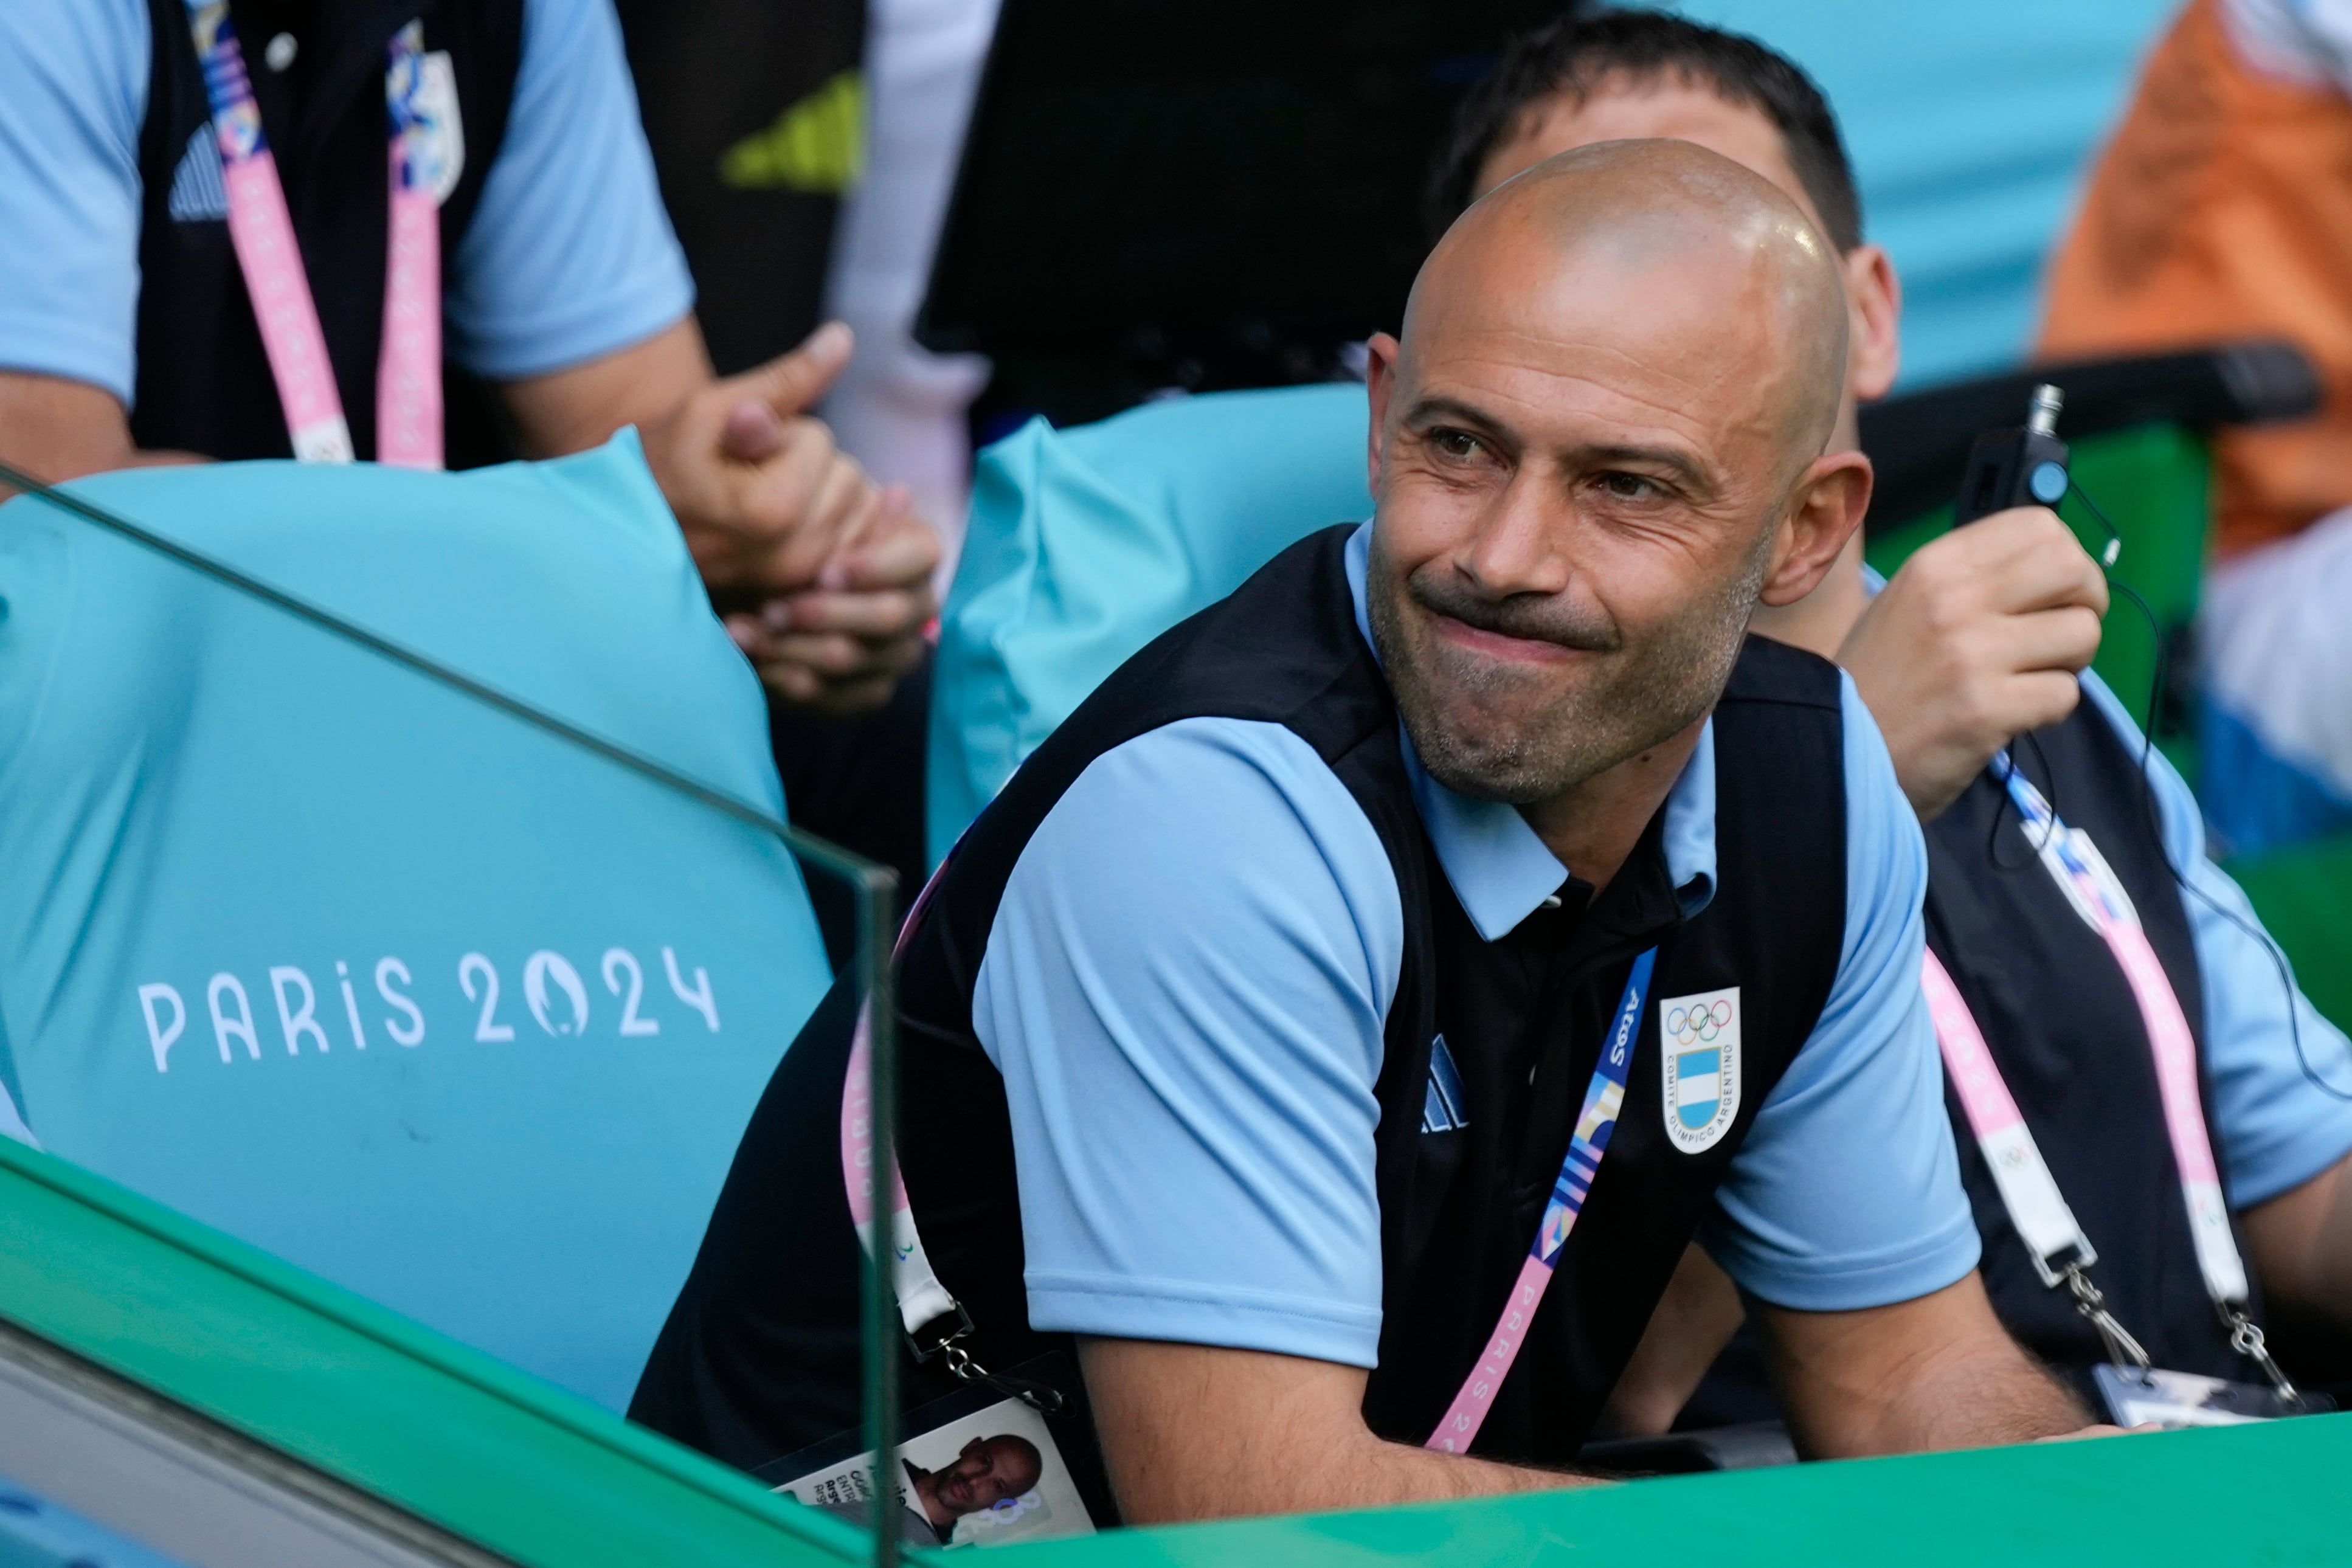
(825, 577)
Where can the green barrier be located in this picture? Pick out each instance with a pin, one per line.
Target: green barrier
(368, 1397)
(2304, 894)
(547, 1480)
(2151, 482)
(2216, 1498)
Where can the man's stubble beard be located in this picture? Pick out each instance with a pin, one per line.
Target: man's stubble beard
(1649, 695)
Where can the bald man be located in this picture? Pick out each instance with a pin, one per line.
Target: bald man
(1337, 1030)
(1978, 640)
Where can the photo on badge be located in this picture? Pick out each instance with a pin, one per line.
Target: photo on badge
(990, 1476)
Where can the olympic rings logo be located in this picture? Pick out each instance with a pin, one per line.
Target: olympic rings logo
(1698, 1026)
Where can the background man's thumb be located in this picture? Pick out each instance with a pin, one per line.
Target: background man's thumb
(790, 383)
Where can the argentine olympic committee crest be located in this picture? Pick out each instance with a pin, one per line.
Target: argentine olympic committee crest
(1698, 1038)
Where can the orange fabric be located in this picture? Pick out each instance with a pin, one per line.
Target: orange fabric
(2224, 209)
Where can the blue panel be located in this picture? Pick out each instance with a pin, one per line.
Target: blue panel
(1972, 130)
(360, 971)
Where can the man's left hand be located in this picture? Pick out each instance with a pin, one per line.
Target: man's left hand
(763, 495)
(841, 645)
(825, 580)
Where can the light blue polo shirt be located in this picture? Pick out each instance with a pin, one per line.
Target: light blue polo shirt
(2280, 1074)
(1198, 948)
(2284, 1115)
(569, 256)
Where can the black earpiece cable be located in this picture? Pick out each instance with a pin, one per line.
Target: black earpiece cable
(2152, 815)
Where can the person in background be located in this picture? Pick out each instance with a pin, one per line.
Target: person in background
(2221, 210)
(900, 408)
(801, 185)
(755, 113)
(1979, 638)
(529, 240)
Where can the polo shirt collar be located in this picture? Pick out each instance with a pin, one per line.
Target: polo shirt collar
(1498, 867)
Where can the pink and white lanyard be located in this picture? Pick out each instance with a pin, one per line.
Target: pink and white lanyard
(2061, 1251)
(408, 368)
(924, 1301)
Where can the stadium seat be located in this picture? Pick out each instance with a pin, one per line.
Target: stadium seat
(1085, 544)
(359, 969)
(2304, 894)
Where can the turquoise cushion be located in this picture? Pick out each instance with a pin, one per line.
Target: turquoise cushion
(1085, 544)
(435, 1005)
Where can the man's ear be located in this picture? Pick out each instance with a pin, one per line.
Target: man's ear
(1379, 381)
(1826, 509)
(1874, 342)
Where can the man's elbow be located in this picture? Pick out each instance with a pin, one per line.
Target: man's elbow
(55, 429)
(1194, 1432)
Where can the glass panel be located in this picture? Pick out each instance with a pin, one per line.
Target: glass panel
(212, 752)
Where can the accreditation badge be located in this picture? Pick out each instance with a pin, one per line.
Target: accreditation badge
(977, 1467)
(2156, 1397)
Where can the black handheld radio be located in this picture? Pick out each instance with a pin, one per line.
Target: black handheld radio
(2026, 467)
(2022, 467)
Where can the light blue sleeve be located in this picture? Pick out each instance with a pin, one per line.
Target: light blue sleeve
(570, 255)
(1847, 1193)
(2278, 1128)
(1185, 989)
(73, 91)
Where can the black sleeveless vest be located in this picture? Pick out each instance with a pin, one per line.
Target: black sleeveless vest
(760, 1355)
(204, 384)
(2059, 1018)
(2060, 1022)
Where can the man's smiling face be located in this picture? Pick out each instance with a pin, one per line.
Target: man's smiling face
(1581, 451)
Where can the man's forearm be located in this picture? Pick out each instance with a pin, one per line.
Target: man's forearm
(1198, 1432)
(56, 430)
(1696, 1318)
(1938, 1372)
(1371, 1472)
(575, 409)
(1982, 1400)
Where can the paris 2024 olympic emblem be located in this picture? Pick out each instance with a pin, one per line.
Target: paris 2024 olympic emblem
(1699, 1040)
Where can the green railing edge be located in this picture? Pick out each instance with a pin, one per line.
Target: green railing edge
(83, 1246)
(2085, 1501)
(531, 1473)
